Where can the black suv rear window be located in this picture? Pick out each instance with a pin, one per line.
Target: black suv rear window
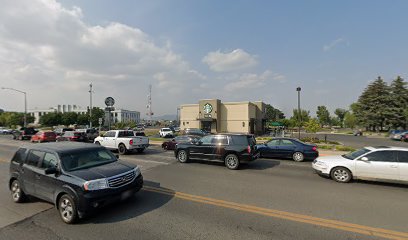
(240, 140)
(19, 156)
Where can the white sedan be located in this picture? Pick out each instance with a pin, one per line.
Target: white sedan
(166, 132)
(386, 164)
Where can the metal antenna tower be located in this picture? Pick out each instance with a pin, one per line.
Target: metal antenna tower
(149, 104)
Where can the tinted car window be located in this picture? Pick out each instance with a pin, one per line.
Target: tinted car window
(356, 154)
(85, 159)
(239, 140)
(19, 156)
(206, 139)
(34, 158)
(286, 142)
(220, 140)
(140, 134)
(403, 156)
(381, 156)
(109, 134)
(273, 143)
(125, 134)
(50, 160)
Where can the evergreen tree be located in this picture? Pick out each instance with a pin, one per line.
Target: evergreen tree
(399, 103)
(273, 114)
(323, 115)
(373, 109)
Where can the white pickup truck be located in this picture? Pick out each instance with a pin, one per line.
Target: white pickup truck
(123, 141)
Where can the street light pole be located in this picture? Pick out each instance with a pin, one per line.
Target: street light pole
(90, 105)
(298, 89)
(25, 102)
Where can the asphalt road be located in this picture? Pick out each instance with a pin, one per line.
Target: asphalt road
(267, 199)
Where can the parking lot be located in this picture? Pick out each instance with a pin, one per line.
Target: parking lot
(266, 199)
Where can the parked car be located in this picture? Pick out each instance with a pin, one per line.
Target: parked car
(91, 133)
(358, 133)
(24, 133)
(171, 145)
(405, 137)
(77, 178)
(123, 141)
(4, 130)
(392, 133)
(288, 148)
(370, 163)
(44, 136)
(195, 131)
(399, 136)
(166, 132)
(232, 149)
(60, 131)
(72, 136)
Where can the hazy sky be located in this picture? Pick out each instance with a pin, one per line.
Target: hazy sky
(189, 50)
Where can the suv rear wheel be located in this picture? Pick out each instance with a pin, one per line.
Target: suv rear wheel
(182, 156)
(16, 192)
(232, 161)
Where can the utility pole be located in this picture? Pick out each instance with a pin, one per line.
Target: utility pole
(90, 105)
(149, 104)
(298, 89)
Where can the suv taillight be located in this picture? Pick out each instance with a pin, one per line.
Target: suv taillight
(249, 149)
(314, 148)
(131, 142)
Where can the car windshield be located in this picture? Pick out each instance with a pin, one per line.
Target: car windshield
(166, 129)
(356, 154)
(83, 159)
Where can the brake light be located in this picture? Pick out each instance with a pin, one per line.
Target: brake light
(249, 149)
(314, 148)
(131, 142)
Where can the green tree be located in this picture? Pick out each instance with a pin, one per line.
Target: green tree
(350, 120)
(398, 103)
(96, 114)
(69, 118)
(323, 115)
(304, 117)
(335, 121)
(273, 114)
(51, 119)
(372, 109)
(340, 113)
(83, 119)
(312, 125)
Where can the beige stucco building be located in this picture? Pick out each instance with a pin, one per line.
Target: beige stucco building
(214, 116)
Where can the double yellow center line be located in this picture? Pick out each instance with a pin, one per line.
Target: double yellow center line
(350, 227)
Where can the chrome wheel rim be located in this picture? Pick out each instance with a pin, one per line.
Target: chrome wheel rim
(16, 191)
(66, 209)
(298, 156)
(341, 175)
(182, 156)
(232, 161)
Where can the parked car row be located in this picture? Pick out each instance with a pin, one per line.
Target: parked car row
(399, 135)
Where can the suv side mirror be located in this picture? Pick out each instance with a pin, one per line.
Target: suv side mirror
(51, 170)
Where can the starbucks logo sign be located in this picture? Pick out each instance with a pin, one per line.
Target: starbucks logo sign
(207, 108)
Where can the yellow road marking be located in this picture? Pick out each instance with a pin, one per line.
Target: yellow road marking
(350, 227)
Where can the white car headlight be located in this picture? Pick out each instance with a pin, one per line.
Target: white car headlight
(97, 184)
(137, 171)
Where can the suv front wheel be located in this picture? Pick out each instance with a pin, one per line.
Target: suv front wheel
(67, 209)
(232, 161)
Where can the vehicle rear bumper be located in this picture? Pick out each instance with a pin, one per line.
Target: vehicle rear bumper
(139, 146)
(248, 157)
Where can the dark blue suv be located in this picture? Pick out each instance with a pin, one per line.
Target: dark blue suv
(76, 177)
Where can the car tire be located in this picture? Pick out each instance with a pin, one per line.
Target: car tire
(140, 150)
(122, 149)
(231, 161)
(67, 209)
(165, 147)
(341, 174)
(17, 193)
(182, 156)
(298, 157)
(97, 143)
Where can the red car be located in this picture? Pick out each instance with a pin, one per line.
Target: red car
(404, 137)
(171, 145)
(73, 136)
(43, 136)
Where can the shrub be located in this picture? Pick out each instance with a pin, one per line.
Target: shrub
(345, 148)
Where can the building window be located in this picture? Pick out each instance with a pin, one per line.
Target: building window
(243, 124)
(184, 123)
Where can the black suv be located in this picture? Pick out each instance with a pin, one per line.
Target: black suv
(24, 133)
(76, 177)
(232, 149)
